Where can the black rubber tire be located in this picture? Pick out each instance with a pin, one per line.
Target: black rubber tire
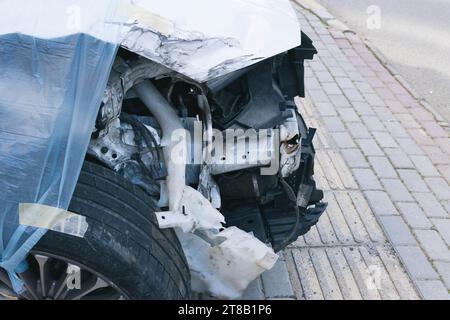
(123, 243)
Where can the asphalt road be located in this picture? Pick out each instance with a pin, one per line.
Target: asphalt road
(414, 36)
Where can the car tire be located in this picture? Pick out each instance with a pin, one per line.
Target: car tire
(123, 243)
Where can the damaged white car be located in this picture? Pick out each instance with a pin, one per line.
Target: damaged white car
(150, 149)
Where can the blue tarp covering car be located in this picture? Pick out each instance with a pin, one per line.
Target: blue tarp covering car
(50, 92)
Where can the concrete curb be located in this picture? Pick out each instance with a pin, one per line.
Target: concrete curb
(326, 17)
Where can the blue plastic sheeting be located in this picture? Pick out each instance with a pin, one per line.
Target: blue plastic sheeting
(50, 93)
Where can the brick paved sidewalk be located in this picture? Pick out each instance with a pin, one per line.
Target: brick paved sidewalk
(384, 162)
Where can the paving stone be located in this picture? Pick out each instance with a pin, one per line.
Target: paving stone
(384, 114)
(397, 230)
(321, 141)
(416, 263)
(408, 121)
(432, 290)
(348, 115)
(443, 226)
(395, 106)
(444, 271)
(373, 123)
(366, 179)
(345, 83)
(276, 281)
(361, 274)
(375, 82)
(384, 139)
(413, 180)
(396, 129)
(325, 274)
(398, 275)
(421, 137)
(343, 171)
(326, 231)
(364, 87)
(385, 94)
(332, 176)
(334, 124)
(436, 155)
(409, 146)
(380, 278)
(407, 100)
(369, 147)
(305, 107)
(399, 158)
(446, 205)
(359, 131)
(396, 190)
(317, 65)
(325, 108)
(363, 108)
(374, 100)
(439, 187)
(434, 129)
(339, 101)
(351, 217)
(354, 158)
(254, 291)
(430, 205)
(444, 144)
(433, 244)
(380, 203)
(355, 76)
(424, 166)
(316, 273)
(353, 95)
(367, 217)
(346, 65)
(337, 71)
(307, 275)
(328, 60)
(384, 74)
(293, 274)
(312, 238)
(358, 62)
(444, 170)
(312, 84)
(338, 221)
(343, 140)
(318, 95)
(397, 88)
(320, 177)
(324, 76)
(382, 167)
(331, 88)
(344, 276)
(421, 114)
(414, 216)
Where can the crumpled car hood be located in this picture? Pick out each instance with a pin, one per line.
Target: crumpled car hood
(204, 39)
(201, 39)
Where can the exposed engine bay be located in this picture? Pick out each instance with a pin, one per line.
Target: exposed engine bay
(227, 159)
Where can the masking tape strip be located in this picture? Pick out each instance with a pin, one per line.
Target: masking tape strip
(51, 218)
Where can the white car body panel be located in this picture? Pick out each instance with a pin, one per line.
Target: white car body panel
(201, 39)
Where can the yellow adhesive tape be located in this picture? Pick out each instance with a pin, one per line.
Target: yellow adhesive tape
(51, 218)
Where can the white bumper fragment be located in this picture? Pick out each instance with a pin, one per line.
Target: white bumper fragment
(222, 261)
(226, 269)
